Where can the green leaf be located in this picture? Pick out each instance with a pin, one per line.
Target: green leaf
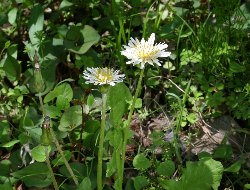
(4, 132)
(235, 167)
(118, 96)
(62, 102)
(38, 153)
(79, 169)
(166, 168)
(192, 118)
(140, 162)
(36, 22)
(5, 167)
(10, 144)
(52, 111)
(208, 171)
(12, 68)
(59, 160)
(90, 100)
(115, 138)
(216, 169)
(6, 186)
(140, 182)
(247, 186)
(71, 118)
(223, 151)
(64, 90)
(236, 68)
(91, 126)
(78, 34)
(36, 174)
(85, 184)
(111, 166)
(12, 16)
(65, 4)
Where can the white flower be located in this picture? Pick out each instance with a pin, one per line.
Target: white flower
(102, 76)
(145, 51)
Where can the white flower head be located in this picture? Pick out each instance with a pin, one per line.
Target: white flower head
(102, 76)
(142, 52)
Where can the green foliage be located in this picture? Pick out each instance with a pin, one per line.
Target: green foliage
(85, 184)
(38, 153)
(140, 182)
(166, 168)
(71, 118)
(46, 45)
(208, 171)
(140, 162)
(118, 96)
(36, 174)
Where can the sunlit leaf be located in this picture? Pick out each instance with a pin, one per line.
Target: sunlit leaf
(140, 162)
(71, 118)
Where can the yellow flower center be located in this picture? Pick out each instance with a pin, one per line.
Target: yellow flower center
(104, 75)
(146, 52)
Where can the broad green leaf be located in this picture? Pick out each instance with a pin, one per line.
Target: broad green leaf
(52, 111)
(85, 36)
(115, 138)
(130, 185)
(6, 186)
(12, 16)
(38, 153)
(140, 162)
(223, 151)
(13, 50)
(71, 118)
(85, 184)
(36, 174)
(12, 68)
(166, 168)
(62, 102)
(65, 4)
(64, 90)
(91, 126)
(36, 22)
(235, 167)
(24, 138)
(208, 171)
(118, 96)
(140, 182)
(5, 167)
(10, 144)
(216, 169)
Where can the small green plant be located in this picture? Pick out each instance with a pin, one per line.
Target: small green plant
(101, 136)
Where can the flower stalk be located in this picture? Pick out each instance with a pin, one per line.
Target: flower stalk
(58, 147)
(126, 129)
(50, 169)
(101, 140)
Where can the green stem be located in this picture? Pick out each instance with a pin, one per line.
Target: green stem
(58, 146)
(118, 166)
(101, 140)
(41, 102)
(126, 129)
(50, 169)
(63, 157)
